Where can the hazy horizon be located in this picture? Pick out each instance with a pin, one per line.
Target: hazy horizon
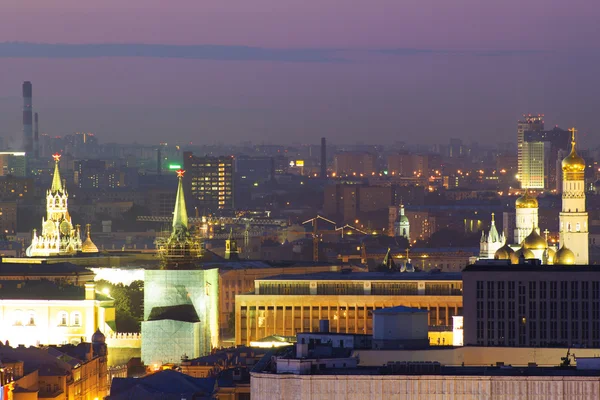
(296, 71)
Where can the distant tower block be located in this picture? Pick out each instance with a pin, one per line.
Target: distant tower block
(27, 117)
(36, 137)
(323, 158)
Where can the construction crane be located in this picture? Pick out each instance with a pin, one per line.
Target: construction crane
(218, 220)
(317, 233)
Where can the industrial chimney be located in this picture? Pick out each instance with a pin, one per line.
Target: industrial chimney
(323, 158)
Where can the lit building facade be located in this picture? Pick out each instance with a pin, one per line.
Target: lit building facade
(210, 182)
(574, 230)
(34, 313)
(531, 305)
(286, 305)
(533, 168)
(528, 123)
(407, 165)
(354, 163)
(13, 163)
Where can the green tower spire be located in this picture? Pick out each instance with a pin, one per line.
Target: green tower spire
(180, 217)
(56, 181)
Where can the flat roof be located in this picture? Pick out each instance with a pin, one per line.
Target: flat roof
(61, 268)
(368, 276)
(462, 371)
(530, 268)
(398, 310)
(43, 290)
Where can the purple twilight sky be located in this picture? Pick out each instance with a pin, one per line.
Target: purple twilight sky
(292, 71)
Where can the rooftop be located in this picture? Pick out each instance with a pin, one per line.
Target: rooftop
(167, 384)
(369, 276)
(183, 312)
(62, 268)
(430, 369)
(493, 267)
(39, 290)
(398, 310)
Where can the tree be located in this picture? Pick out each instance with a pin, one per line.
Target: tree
(129, 304)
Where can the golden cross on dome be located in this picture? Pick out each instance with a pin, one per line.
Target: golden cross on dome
(56, 157)
(573, 130)
(180, 173)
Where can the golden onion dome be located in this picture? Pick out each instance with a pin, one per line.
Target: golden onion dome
(504, 253)
(88, 246)
(550, 256)
(572, 162)
(526, 253)
(564, 256)
(534, 241)
(526, 201)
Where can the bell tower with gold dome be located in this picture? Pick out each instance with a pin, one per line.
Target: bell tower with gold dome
(573, 217)
(526, 217)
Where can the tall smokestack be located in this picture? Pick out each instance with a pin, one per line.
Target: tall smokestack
(323, 158)
(158, 162)
(27, 118)
(36, 137)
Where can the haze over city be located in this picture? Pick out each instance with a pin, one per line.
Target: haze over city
(284, 72)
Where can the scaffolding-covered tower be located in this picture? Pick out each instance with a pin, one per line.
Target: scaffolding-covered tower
(181, 303)
(181, 246)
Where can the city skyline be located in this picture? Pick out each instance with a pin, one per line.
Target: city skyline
(277, 72)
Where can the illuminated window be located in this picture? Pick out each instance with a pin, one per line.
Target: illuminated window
(578, 227)
(31, 318)
(76, 319)
(18, 318)
(62, 318)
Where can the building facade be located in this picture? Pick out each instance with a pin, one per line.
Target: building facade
(533, 171)
(354, 163)
(34, 313)
(210, 185)
(372, 385)
(528, 123)
(530, 305)
(286, 305)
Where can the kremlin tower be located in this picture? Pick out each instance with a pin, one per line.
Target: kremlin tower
(58, 237)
